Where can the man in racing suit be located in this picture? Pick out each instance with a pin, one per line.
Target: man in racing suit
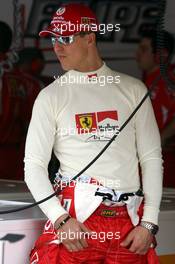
(162, 96)
(99, 219)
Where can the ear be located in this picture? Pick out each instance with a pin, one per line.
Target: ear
(91, 38)
(164, 54)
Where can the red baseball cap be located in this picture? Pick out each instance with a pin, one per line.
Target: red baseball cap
(70, 19)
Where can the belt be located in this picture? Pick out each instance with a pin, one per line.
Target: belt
(116, 197)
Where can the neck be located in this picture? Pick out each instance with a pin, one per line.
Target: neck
(92, 63)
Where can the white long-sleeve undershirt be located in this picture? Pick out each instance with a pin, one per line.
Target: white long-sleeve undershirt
(64, 107)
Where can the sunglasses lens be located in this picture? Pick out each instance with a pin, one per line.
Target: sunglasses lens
(66, 40)
(62, 40)
(53, 40)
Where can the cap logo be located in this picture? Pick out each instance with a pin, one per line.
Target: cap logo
(88, 20)
(85, 20)
(60, 11)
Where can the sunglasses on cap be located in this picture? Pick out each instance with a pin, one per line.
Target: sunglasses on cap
(66, 40)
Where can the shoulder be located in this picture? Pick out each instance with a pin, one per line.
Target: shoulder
(48, 94)
(57, 87)
(129, 83)
(53, 95)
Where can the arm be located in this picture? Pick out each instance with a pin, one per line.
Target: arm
(39, 144)
(149, 153)
(150, 158)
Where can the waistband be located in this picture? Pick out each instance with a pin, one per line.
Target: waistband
(112, 212)
(110, 197)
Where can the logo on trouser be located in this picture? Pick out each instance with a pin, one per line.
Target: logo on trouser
(108, 213)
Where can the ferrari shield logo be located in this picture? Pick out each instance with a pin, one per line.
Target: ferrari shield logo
(86, 121)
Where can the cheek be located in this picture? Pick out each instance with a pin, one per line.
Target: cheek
(79, 51)
(82, 54)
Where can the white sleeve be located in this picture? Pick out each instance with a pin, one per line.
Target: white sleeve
(39, 144)
(150, 157)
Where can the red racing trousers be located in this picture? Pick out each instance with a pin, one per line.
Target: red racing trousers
(110, 225)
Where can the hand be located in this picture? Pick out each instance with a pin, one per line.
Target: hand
(138, 240)
(72, 235)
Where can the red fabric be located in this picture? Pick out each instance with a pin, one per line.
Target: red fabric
(163, 101)
(18, 93)
(105, 250)
(70, 24)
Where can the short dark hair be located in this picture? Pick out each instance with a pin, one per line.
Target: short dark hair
(168, 42)
(5, 37)
(82, 34)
